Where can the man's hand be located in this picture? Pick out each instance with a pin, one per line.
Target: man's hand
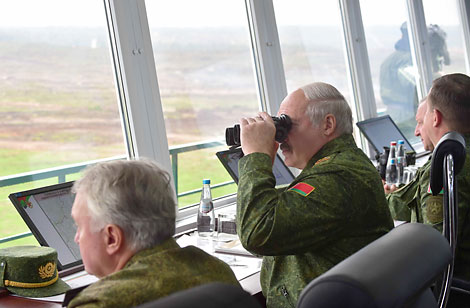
(257, 135)
(389, 189)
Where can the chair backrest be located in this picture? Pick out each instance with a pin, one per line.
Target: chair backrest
(448, 160)
(396, 270)
(212, 295)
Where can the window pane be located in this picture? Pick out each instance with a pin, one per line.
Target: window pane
(205, 74)
(312, 43)
(58, 100)
(445, 37)
(393, 73)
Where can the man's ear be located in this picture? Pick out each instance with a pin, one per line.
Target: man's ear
(113, 238)
(329, 125)
(436, 117)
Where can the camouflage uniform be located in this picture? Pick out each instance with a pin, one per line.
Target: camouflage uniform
(154, 273)
(421, 206)
(301, 235)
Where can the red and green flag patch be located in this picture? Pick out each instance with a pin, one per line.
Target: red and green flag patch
(302, 188)
(430, 192)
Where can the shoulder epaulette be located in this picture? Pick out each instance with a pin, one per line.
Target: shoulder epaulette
(321, 160)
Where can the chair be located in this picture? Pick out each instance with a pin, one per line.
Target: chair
(447, 161)
(212, 295)
(395, 270)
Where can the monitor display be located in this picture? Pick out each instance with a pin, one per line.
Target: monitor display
(47, 212)
(381, 131)
(230, 158)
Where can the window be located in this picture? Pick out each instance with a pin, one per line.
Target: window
(445, 37)
(393, 73)
(312, 43)
(205, 73)
(58, 100)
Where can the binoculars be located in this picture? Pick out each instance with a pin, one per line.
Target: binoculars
(283, 125)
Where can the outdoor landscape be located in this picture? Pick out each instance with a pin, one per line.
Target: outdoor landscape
(58, 102)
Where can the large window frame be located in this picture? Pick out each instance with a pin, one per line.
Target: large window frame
(138, 89)
(140, 85)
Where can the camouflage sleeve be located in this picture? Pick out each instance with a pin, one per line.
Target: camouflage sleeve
(401, 201)
(269, 220)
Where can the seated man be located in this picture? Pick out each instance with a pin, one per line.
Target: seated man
(332, 209)
(414, 193)
(448, 109)
(125, 215)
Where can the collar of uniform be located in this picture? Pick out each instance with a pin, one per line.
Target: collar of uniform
(336, 145)
(166, 245)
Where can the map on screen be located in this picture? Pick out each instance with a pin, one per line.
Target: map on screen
(47, 212)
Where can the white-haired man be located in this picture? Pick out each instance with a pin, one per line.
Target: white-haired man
(332, 209)
(125, 216)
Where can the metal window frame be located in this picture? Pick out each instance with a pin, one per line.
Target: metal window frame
(142, 105)
(464, 15)
(140, 84)
(267, 54)
(419, 45)
(359, 73)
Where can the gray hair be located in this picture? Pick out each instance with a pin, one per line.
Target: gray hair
(135, 195)
(325, 99)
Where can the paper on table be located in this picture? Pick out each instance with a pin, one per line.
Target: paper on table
(233, 247)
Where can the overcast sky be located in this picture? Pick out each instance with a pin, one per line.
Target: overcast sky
(184, 13)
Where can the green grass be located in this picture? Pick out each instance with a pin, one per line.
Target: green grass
(30, 240)
(193, 167)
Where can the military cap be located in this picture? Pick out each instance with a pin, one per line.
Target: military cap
(30, 271)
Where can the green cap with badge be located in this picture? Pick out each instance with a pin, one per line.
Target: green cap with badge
(30, 271)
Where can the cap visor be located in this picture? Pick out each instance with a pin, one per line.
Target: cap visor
(57, 288)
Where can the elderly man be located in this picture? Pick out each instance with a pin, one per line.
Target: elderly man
(448, 109)
(125, 216)
(332, 209)
(415, 193)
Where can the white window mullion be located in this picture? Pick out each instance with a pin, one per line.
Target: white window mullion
(464, 13)
(358, 66)
(267, 54)
(140, 85)
(419, 44)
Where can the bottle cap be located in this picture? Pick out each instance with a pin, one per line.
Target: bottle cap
(401, 142)
(393, 143)
(206, 181)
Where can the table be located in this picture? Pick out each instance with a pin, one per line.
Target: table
(246, 269)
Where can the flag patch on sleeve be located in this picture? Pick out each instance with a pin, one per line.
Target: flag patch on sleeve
(302, 188)
(430, 192)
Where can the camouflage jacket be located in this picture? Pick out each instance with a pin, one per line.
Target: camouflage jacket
(405, 201)
(332, 209)
(416, 199)
(154, 273)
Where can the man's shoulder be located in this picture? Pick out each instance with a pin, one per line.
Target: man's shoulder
(344, 160)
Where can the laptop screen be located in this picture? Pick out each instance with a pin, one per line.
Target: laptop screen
(230, 158)
(47, 213)
(380, 131)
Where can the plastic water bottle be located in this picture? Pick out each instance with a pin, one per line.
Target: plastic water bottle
(205, 215)
(391, 170)
(401, 160)
(393, 150)
(391, 174)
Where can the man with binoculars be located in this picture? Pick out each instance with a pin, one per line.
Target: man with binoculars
(334, 207)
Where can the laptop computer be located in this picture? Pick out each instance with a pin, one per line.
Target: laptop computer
(47, 213)
(230, 158)
(380, 131)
